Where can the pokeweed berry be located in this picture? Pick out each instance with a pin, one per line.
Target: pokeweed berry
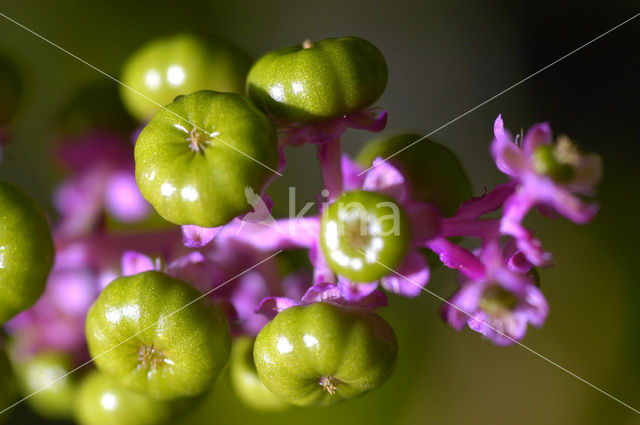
(26, 251)
(245, 381)
(44, 375)
(180, 64)
(318, 81)
(101, 400)
(195, 159)
(154, 335)
(322, 353)
(433, 173)
(364, 235)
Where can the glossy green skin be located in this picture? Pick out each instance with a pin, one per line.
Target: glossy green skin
(55, 399)
(10, 89)
(335, 76)
(181, 64)
(434, 173)
(185, 351)
(245, 381)
(101, 400)
(205, 187)
(356, 348)
(344, 245)
(26, 251)
(8, 387)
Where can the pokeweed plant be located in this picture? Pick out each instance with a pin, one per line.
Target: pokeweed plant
(162, 299)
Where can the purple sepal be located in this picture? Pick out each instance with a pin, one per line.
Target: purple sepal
(123, 199)
(196, 237)
(387, 179)
(135, 262)
(370, 119)
(412, 277)
(351, 174)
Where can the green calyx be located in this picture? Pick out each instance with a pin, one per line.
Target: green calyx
(26, 251)
(364, 235)
(318, 81)
(555, 161)
(155, 335)
(433, 173)
(196, 160)
(497, 301)
(323, 353)
(184, 63)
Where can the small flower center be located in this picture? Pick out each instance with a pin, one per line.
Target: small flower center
(149, 357)
(558, 161)
(497, 301)
(329, 384)
(196, 142)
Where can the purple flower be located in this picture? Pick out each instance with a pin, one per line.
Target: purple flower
(499, 305)
(102, 180)
(413, 273)
(321, 292)
(549, 175)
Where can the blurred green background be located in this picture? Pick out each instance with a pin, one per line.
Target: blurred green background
(444, 57)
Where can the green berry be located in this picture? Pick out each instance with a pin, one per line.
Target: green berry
(101, 400)
(323, 353)
(26, 251)
(44, 375)
(364, 235)
(318, 81)
(245, 381)
(168, 67)
(434, 174)
(197, 171)
(149, 332)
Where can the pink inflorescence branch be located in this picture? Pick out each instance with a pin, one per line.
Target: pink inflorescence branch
(499, 294)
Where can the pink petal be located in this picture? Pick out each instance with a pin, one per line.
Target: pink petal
(456, 257)
(135, 262)
(537, 135)
(271, 306)
(322, 292)
(197, 237)
(122, 198)
(412, 276)
(477, 207)
(387, 179)
(371, 119)
(350, 174)
(354, 292)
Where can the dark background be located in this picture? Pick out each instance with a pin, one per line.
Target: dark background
(444, 58)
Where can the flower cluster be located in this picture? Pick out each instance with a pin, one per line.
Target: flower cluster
(118, 191)
(498, 295)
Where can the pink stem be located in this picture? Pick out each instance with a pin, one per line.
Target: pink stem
(477, 207)
(273, 234)
(456, 257)
(330, 156)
